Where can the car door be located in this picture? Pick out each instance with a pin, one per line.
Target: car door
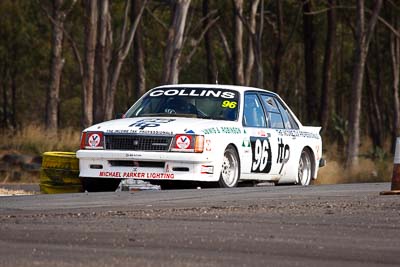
(261, 138)
(283, 141)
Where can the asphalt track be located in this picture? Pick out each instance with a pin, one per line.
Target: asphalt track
(330, 225)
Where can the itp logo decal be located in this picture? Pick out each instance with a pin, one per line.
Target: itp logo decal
(141, 124)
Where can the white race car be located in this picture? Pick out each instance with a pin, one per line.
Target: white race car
(204, 133)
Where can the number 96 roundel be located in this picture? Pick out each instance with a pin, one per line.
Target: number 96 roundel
(262, 154)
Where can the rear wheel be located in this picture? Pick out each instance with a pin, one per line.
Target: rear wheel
(100, 184)
(304, 172)
(230, 172)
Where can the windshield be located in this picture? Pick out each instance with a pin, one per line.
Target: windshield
(207, 103)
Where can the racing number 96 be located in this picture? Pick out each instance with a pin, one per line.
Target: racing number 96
(229, 104)
(262, 155)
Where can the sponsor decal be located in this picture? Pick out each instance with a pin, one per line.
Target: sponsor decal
(206, 169)
(139, 175)
(134, 174)
(141, 124)
(95, 140)
(213, 130)
(183, 141)
(261, 133)
(246, 143)
(231, 130)
(133, 131)
(262, 154)
(196, 92)
(219, 130)
(229, 104)
(133, 155)
(297, 133)
(283, 154)
(159, 175)
(189, 132)
(110, 174)
(208, 145)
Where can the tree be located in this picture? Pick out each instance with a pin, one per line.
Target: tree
(238, 74)
(258, 49)
(279, 52)
(211, 62)
(109, 59)
(395, 58)
(326, 87)
(173, 49)
(309, 36)
(138, 53)
(91, 16)
(363, 38)
(251, 42)
(52, 100)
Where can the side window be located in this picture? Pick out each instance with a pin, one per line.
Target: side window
(253, 113)
(270, 104)
(287, 117)
(273, 114)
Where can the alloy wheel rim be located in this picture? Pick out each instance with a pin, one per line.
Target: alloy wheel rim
(229, 171)
(304, 175)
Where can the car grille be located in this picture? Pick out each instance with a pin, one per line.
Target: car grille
(138, 142)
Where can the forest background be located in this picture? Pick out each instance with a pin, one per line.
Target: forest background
(67, 64)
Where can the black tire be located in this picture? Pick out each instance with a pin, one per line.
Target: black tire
(230, 172)
(100, 184)
(305, 168)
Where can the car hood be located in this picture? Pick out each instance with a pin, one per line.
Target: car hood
(158, 125)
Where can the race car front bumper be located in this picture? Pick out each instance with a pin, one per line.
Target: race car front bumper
(145, 165)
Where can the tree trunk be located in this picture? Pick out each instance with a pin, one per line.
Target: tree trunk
(57, 63)
(309, 36)
(91, 14)
(279, 48)
(14, 99)
(363, 37)
(138, 55)
(374, 109)
(211, 62)
(118, 60)
(395, 57)
(238, 77)
(330, 45)
(103, 60)
(4, 85)
(250, 43)
(173, 50)
(258, 50)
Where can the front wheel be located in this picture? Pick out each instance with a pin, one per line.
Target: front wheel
(230, 172)
(304, 172)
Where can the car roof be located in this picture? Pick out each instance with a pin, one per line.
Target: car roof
(215, 86)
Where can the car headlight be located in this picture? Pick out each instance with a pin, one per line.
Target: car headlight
(188, 143)
(92, 140)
